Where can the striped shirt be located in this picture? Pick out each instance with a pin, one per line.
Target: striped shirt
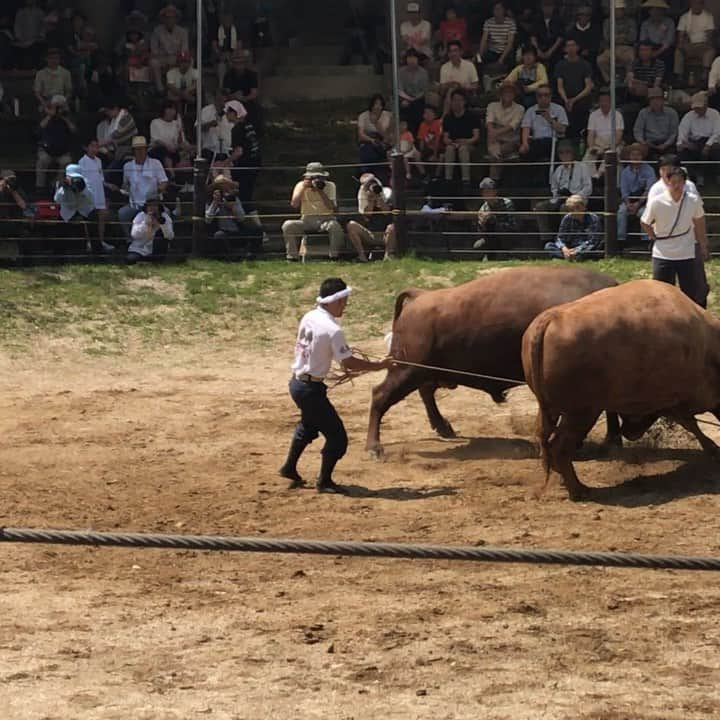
(499, 33)
(649, 73)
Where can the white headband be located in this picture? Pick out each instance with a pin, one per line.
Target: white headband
(332, 298)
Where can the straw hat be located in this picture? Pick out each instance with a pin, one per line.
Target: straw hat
(699, 100)
(314, 169)
(139, 141)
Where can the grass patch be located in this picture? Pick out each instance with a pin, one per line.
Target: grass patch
(105, 308)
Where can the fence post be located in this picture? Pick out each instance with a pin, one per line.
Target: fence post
(611, 203)
(201, 167)
(397, 162)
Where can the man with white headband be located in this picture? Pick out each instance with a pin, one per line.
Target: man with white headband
(320, 340)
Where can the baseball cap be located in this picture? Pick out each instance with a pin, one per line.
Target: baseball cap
(488, 184)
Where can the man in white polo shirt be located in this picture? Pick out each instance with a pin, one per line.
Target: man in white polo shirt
(674, 221)
(457, 73)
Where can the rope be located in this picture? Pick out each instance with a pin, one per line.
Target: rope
(358, 549)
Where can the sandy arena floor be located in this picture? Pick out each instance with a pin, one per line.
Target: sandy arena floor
(158, 446)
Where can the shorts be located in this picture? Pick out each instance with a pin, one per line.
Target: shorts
(369, 237)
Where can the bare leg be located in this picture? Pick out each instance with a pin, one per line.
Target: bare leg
(437, 421)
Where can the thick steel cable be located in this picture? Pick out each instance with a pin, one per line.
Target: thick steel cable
(358, 549)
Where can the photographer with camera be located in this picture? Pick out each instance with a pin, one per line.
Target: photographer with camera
(151, 233)
(229, 228)
(77, 210)
(13, 208)
(56, 136)
(316, 198)
(374, 208)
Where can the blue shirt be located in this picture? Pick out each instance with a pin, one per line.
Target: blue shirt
(584, 234)
(539, 127)
(72, 202)
(636, 181)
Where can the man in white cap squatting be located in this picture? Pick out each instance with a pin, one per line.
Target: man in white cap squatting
(320, 340)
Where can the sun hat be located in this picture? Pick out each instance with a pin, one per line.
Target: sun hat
(314, 169)
(139, 141)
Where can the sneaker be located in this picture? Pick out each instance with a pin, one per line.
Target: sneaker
(107, 247)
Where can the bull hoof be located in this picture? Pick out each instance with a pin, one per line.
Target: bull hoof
(446, 431)
(377, 453)
(579, 493)
(613, 441)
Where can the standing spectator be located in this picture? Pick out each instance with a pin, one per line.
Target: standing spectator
(461, 135)
(636, 179)
(80, 49)
(374, 134)
(656, 126)
(645, 73)
(574, 85)
(413, 84)
(457, 73)
(103, 82)
(143, 176)
(77, 209)
(586, 33)
(695, 39)
(502, 121)
(452, 28)
(497, 43)
(407, 148)
(547, 35)
(599, 134)
(659, 31)
(416, 33)
(529, 76)
(182, 83)
(14, 208)
(569, 178)
(56, 138)
(430, 139)
(135, 53)
(225, 44)
(167, 41)
(541, 123)
(496, 221)
(52, 80)
(115, 142)
(714, 84)
(91, 167)
(374, 210)
(241, 83)
(699, 135)
(216, 130)
(167, 137)
(29, 34)
(625, 38)
(245, 154)
(151, 233)
(316, 198)
(580, 232)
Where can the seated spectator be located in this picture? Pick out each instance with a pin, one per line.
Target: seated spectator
(245, 153)
(695, 40)
(56, 139)
(52, 80)
(570, 177)
(599, 134)
(460, 135)
(14, 208)
(457, 74)
(413, 82)
(580, 233)
(115, 140)
(407, 148)
(142, 178)
(496, 221)
(216, 130)
(659, 31)
(136, 55)
(548, 35)
(502, 121)
(714, 84)
(152, 231)
(241, 83)
(656, 126)
(574, 85)
(636, 179)
(167, 137)
(625, 39)
(167, 41)
(375, 219)
(529, 76)
(77, 210)
(232, 233)
(586, 33)
(453, 28)
(316, 198)
(182, 82)
(430, 135)
(8, 54)
(80, 49)
(225, 44)
(29, 34)
(497, 43)
(416, 33)
(374, 134)
(541, 123)
(92, 170)
(103, 82)
(699, 136)
(645, 73)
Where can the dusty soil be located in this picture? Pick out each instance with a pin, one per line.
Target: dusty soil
(189, 441)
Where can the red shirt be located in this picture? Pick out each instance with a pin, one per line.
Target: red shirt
(431, 134)
(455, 30)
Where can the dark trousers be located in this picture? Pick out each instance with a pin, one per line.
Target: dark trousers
(702, 287)
(578, 118)
(686, 272)
(317, 415)
(694, 153)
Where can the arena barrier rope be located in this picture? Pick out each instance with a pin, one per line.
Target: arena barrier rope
(358, 549)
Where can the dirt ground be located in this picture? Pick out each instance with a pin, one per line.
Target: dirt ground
(189, 441)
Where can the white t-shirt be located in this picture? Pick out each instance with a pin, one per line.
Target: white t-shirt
(659, 188)
(697, 27)
(320, 340)
(599, 123)
(169, 133)
(143, 180)
(669, 217)
(93, 172)
(417, 36)
(182, 81)
(465, 74)
(142, 233)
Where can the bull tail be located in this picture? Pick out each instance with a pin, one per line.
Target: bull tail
(402, 298)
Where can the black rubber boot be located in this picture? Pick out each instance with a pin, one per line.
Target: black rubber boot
(289, 469)
(325, 482)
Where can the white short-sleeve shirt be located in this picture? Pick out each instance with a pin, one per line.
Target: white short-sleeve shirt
(600, 124)
(93, 173)
(320, 339)
(143, 180)
(659, 188)
(464, 74)
(669, 217)
(696, 27)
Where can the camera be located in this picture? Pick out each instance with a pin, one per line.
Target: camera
(375, 187)
(76, 184)
(10, 183)
(318, 183)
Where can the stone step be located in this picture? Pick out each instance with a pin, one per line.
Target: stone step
(323, 87)
(318, 71)
(300, 53)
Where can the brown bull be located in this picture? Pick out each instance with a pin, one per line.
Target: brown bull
(642, 350)
(476, 327)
